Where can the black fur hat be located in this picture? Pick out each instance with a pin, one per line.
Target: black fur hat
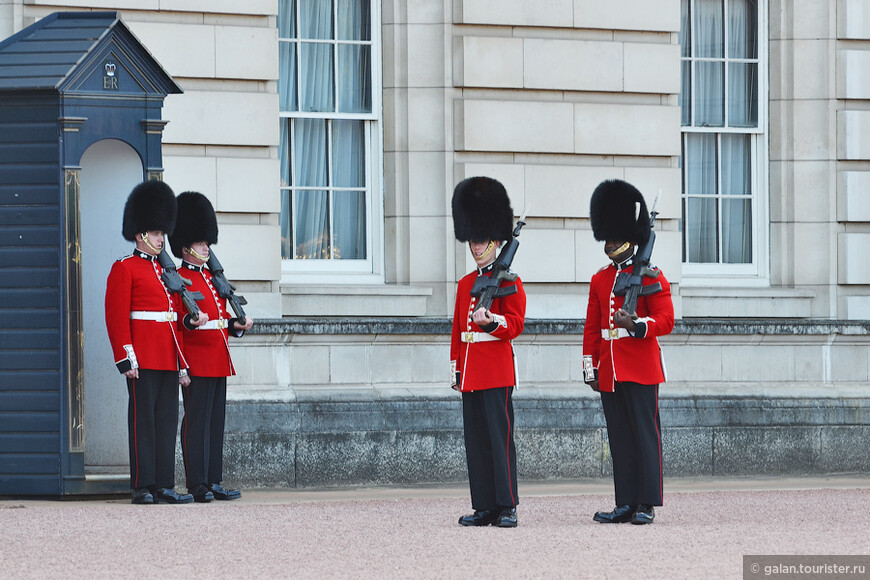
(482, 211)
(151, 206)
(618, 213)
(196, 222)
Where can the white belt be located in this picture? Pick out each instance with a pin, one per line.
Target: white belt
(218, 324)
(614, 333)
(477, 337)
(155, 316)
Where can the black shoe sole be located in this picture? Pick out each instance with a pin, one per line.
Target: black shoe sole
(173, 501)
(604, 521)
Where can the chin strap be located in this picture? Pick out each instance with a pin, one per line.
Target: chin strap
(148, 242)
(196, 254)
(619, 250)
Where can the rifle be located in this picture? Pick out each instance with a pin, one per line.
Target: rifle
(631, 285)
(224, 287)
(178, 285)
(487, 287)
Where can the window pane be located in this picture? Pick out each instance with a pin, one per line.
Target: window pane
(311, 213)
(315, 19)
(348, 154)
(284, 151)
(355, 71)
(349, 223)
(700, 161)
(286, 19)
(736, 231)
(286, 221)
(686, 93)
(742, 94)
(708, 29)
(317, 81)
(709, 94)
(742, 29)
(287, 76)
(701, 233)
(736, 165)
(685, 31)
(354, 20)
(310, 153)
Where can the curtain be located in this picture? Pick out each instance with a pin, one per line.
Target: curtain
(286, 216)
(324, 195)
(315, 22)
(287, 56)
(737, 210)
(311, 207)
(354, 60)
(348, 171)
(354, 72)
(742, 76)
(701, 222)
(354, 20)
(685, 38)
(709, 76)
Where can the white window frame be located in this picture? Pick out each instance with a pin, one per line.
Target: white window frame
(756, 273)
(351, 271)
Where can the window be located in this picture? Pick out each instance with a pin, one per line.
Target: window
(329, 145)
(723, 143)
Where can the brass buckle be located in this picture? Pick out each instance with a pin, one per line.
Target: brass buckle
(614, 333)
(467, 337)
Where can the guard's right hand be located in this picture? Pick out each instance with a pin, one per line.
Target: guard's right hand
(594, 386)
(132, 374)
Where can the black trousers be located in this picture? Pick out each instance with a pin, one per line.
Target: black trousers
(488, 418)
(635, 434)
(202, 429)
(152, 422)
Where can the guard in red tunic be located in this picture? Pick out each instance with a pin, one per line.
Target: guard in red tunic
(622, 357)
(482, 356)
(141, 319)
(207, 351)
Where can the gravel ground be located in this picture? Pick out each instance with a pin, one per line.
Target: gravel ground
(703, 531)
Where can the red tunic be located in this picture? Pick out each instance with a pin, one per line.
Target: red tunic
(626, 358)
(207, 350)
(134, 284)
(490, 364)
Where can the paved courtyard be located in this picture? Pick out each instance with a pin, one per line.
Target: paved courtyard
(703, 531)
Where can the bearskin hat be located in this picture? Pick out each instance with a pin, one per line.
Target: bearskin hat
(618, 213)
(150, 207)
(481, 211)
(196, 222)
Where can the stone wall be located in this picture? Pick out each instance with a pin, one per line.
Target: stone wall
(750, 397)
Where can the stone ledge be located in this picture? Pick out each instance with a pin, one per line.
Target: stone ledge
(442, 326)
(400, 442)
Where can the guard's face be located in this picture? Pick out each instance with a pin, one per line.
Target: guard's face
(198, 253)
(618, 251)
(483, 252)
(150, 242)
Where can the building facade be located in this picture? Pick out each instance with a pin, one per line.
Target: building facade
(329, 135)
